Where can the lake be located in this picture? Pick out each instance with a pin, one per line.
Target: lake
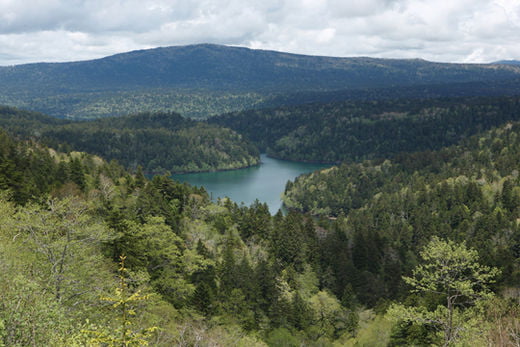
(264, 182)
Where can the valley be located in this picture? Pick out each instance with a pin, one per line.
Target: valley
(115, 229)
(264, 182)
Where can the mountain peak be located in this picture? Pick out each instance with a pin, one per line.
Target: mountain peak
(220, 69)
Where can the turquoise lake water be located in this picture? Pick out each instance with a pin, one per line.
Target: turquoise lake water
(264, 182)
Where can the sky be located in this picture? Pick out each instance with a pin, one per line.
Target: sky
(473, 31)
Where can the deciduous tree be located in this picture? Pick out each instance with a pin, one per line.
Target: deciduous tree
(450, 272)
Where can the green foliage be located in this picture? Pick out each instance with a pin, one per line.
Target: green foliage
(228, 274)
(28, 314)
(466, 193)
(90, 105)
(203, 80)
(159, 142)
(43, 299)
(375, 331)
(123, 301)
(452, 273)
(65, 237)
(282, 337)
(350, 186)
(329, 316)
(26, 170)
(357, 130)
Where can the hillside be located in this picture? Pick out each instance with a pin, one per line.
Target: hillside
(216, 67)
(413, 240)
(158, 142)
(202, 80)
(197, 272)
(508, 62)
(492, 88)
(467, 193)
(488, 157)
(357, 130)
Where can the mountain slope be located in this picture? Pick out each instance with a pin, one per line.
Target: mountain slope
(156, 141)
(166, 74)
(507, 62)
(357, 130)
(215, 67)
(159, 142)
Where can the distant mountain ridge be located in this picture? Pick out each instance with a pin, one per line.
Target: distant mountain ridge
(217, 69)
(213, 66)
(507, 62)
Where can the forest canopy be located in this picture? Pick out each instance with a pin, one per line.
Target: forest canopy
(158, 142)
(357, 130)
(231, 274)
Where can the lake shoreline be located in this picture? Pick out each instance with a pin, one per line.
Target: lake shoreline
(265, 182)
(304, 161)
(258, 164)
(204, 171)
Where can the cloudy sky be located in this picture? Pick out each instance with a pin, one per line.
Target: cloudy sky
(438, 30)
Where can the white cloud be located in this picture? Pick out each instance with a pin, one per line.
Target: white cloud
(442, 30)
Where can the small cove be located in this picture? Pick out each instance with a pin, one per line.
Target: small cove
(265, 182)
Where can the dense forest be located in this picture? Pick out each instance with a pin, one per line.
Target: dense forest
(493, 88)
(93, 255)
(89, 105)
(203, 104)
(413, 239)
(158, 142)
(348, 131)
(468, 193)
(340, 189)
(204, 80)
(358, 130)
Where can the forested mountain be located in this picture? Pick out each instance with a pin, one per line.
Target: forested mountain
(333, 132)
(468, 192)
(357, 130)
(486, 157)
(26, 123)
(158, 142)
(214, 67)
(509, 87)
(197, 272)
(413, 240)
(202, 80)
(508, 62)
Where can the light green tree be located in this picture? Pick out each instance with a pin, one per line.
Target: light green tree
(154, 246)
(66, 239)
(30, 315)
(123, 300)
(329, 316)
(451, 272)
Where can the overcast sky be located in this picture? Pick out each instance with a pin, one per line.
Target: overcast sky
(437, 30)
